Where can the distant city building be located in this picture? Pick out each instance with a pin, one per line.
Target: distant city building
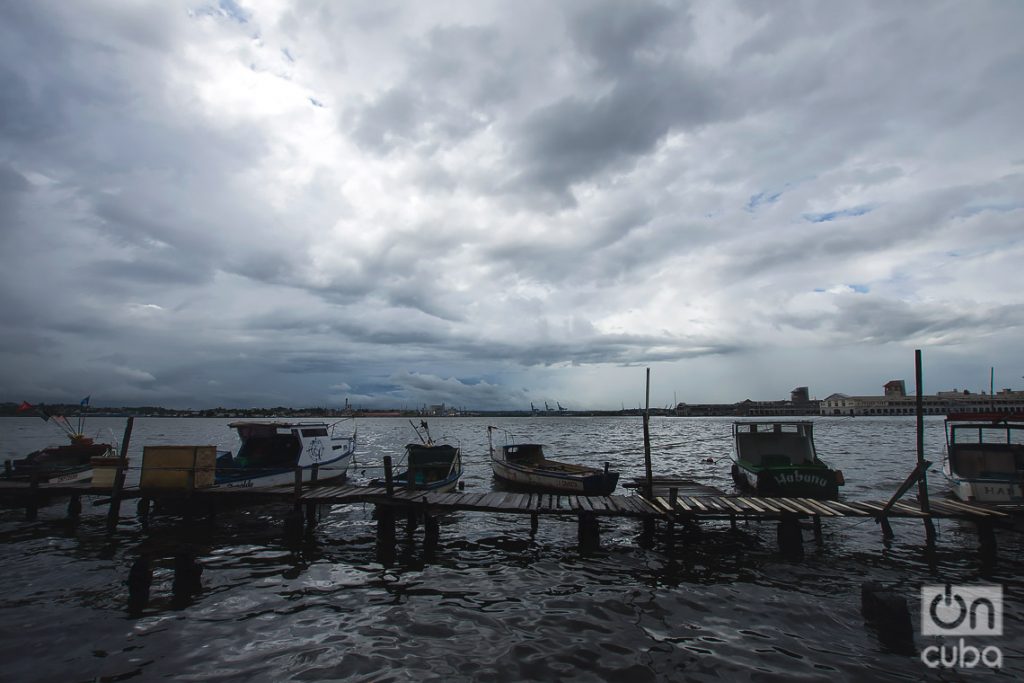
(895, 387)
(895, 401)
(799, 404)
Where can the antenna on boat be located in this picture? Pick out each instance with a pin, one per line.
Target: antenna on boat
(423, 424)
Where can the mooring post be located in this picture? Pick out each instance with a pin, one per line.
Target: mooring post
(790, 536)
(74, 507)
(817, 530)
(888, 613)
(922, 483)
(311, 506)
(188, 573)
(140, 579)
(431, 529)
(297, 488)
(649, 489)
(385, 534)
(987, 540)
(410, 520)
(589, 532)
(389, 483)
(534, 524)
(142, 511)
(114, 512)
(32, 506)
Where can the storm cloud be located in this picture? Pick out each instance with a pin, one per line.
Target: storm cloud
(289, 202)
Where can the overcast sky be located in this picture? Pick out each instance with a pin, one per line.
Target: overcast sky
(256, 203)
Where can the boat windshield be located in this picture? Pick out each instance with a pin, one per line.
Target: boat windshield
(264, 447)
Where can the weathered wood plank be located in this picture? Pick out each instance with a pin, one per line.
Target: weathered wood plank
(757, 506)
(729, 503)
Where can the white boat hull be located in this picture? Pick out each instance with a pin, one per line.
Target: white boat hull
(987, 491)
(329, 472)
(532, 479)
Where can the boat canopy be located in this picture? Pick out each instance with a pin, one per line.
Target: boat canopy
(267, 445)
(427, 456)
(785, 443)
(524, 453)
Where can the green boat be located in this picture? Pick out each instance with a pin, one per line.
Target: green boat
(777, 458)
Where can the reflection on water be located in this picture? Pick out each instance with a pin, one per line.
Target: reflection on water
(491, 601)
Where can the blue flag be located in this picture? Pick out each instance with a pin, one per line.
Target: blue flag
(85, 401)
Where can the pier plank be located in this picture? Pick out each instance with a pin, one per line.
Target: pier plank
(817, 507)
(695, 502)
(726, 501)
(757, 506)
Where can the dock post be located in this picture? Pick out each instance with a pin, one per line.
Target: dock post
(385, 534)
(888, 614)
(114, 512)
(987, 540)
(649, 488)
(32, 506)
(389, 482)
(817, 530)
(311, 506)
(922, 483)
(297, 489)
(887, 532)
(142, 510)
(74, 507)
(790, 536)
(534, 524)
(140, 579)
(188, 574)
(589, 532)
(431, 530)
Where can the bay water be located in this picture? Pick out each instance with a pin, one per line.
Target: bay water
(490, 602)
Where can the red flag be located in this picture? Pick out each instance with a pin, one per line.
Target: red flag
(25, 405)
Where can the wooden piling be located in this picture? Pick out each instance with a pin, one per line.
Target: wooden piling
(385, 534)
(389, 483)
(297, 488)
(790, 536)
(589, 532)
(74, 507)
(817, 530)
(114, 512)
(647, 440)
(311, 507)
(534, 524)
(32, 505)
(431, 529)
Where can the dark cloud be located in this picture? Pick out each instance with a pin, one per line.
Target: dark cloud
(481, 206)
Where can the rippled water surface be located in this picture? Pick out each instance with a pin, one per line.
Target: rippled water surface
(490, 602)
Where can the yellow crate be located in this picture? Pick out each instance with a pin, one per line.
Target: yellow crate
(104, 470)
(177, 467)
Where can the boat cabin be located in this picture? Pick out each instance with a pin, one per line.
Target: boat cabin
(992, 450)
(524, 453)
(774, 444)
(273, 444)
(427, 464)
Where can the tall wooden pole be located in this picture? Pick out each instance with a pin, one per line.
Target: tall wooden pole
(647, 438)
(922, 483)
(114, 511)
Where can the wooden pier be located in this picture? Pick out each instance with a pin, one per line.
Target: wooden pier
(671, 507)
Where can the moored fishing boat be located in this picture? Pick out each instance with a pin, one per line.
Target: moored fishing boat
(430, 466)
(66, 464)
(525, 466)
(985, 457)
(778, 458)
(271, 451)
